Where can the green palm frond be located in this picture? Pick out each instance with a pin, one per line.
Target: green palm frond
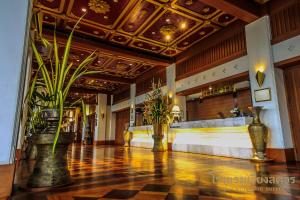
(61, 77)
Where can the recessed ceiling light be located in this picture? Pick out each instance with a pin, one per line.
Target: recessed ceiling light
(83, 9)
(183, 25)
(46, 17)
(82, 54)
(153, 33)
(210, 88)
(105, 17)
(96, 32)
(168, 37)
(130, 64)
(206, 10)
(226, 17)
(167, 20)
(99, 61)
(77, 60)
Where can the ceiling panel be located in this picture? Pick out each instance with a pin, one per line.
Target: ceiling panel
(162, 27)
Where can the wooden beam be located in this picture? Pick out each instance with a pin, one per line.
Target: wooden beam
(109, 78)
(88, 90)
(245, 10)
(88, 44)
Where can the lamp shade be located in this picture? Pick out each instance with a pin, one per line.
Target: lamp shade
(175, 109)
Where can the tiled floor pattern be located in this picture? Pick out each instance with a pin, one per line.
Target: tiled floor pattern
(109, 172)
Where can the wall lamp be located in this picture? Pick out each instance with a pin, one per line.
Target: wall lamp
(260, 77)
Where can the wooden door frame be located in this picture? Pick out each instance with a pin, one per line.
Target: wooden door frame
(286, 67)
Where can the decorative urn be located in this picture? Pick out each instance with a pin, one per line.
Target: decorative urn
(259, 136)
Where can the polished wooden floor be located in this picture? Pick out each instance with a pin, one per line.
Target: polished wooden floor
(109, 172)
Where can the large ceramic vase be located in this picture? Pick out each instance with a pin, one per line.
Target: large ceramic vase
(51, 170)
(158, 138)
(259, 135)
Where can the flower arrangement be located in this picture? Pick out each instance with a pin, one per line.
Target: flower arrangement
(156, 107)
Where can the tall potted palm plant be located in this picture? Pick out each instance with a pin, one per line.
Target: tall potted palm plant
(157, 113)
(55, 80)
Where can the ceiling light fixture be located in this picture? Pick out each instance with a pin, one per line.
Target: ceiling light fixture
(183, 25)
(99, 6)
(83, 9)
(168, 37)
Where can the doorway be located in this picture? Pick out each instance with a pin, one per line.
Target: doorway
(122, 118)
(292, 81)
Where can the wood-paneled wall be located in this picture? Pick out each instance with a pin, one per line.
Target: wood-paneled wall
(122, 117)
(292, 83)
(209, 107)
(121, 95)
(143, 83)
(223, 51)
(285, 19)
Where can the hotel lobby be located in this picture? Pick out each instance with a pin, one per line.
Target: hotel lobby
(150, 99)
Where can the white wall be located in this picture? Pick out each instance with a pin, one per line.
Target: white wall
(171, 85)
(225, 70)
(132, 104)
(286, 49)
(258, 40)
(101, 108)
(13, 40)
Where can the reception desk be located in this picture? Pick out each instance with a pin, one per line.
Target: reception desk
(222, 137)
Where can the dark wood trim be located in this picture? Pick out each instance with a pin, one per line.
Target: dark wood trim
(170, 148)
(243, 9)
(99, 76)
(122, 94)
(121, 100)
(7, 177)
(110, 78)
(143, 84)
(110, 142)
(122, 109)
(83, 43)
(88, 91)
(284, 19)
(286, 36)
(104, 142)
(18, 154)
(281, 155)
(238, 77)
(288, 62)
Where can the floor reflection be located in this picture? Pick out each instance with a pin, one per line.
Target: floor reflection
(109, 172)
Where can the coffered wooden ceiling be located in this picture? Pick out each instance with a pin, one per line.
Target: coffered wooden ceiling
(159, 28)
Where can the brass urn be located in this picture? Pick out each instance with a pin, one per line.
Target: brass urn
(158, 138)
(259, 136)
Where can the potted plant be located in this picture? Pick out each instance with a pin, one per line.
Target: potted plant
(51, 85)
(157, 113)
